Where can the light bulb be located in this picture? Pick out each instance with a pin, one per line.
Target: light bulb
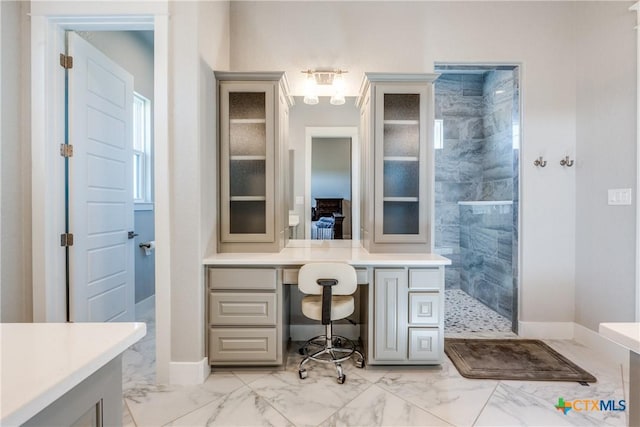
(338, 90)
(310, 90)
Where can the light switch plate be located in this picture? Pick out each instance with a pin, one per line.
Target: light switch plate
(619, 196)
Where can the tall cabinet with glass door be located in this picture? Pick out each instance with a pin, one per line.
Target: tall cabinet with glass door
(253, 122)
(397, 127)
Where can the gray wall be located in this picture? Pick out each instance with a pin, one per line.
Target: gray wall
(606, 158)
(133, 52)
(15, 172)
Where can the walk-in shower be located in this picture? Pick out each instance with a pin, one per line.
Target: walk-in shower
(477, 144)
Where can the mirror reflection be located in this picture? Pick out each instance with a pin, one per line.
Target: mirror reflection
(323, 159)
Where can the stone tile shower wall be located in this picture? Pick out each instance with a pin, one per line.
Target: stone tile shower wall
(486, 244)
(478, 162)
(458, 171)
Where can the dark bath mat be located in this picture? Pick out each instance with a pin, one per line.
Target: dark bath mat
(527, 360)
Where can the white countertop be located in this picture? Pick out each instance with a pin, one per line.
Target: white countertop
(624, 334)
(327, 252)
(42, 361)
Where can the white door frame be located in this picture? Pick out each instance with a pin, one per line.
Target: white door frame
(49, 20)
(334, 132)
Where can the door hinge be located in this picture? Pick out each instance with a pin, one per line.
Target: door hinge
(66, 240)
(66, 150)
(66, 61)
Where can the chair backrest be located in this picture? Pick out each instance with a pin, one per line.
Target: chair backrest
(343, 273)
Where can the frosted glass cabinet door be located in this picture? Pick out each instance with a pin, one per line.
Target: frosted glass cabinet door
(401, 153)
(246, 160)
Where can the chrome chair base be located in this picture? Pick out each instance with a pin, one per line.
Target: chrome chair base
(329, 349)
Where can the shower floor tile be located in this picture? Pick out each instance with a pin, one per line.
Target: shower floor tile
(464, 314)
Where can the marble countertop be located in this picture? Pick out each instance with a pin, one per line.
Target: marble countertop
(624, 334)
(327, 251)
(42, 361)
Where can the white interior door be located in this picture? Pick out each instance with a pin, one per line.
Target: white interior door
(101, 266)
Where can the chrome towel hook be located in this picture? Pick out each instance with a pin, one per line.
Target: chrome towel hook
(566, 162)
(540, 162)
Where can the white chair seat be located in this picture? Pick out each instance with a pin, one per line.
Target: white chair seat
(341, 306)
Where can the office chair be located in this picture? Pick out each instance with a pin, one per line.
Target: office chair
(329, 289)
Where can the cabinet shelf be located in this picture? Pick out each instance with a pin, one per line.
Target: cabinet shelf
(401, 122)
(400, 158)
(248, 198)
(243, 157)
(247, 121)
(400, 199)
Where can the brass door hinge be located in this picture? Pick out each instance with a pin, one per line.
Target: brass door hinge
(66, 61)
(66, 240)
(66, 150)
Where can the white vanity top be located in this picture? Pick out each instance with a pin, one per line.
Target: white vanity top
(327, 251)
(625, 334)
(42, 361)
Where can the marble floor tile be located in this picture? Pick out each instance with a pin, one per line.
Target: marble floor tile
(242, 407)
(377, 407)
(311, 401)
(444, 393)
(525, 403)
(155, 405)
(127, 419)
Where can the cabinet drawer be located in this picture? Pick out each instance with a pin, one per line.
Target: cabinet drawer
(242, 278)
(424, 308)
(426, 278)
(424, 344)
(242, 345)
(230, 308)
(290, 276)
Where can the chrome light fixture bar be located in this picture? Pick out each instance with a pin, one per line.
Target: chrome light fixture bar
(332, 78)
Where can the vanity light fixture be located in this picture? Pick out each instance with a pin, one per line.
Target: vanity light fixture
(331, 78)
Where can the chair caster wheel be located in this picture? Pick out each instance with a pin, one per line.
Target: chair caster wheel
(341, 379)
(360, 363)
(302, 374)
(301, 351)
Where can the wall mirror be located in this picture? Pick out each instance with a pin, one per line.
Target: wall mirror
(324, 169)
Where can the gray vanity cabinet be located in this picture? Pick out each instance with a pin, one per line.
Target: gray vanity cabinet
(397, 151)
(253, 125)
(247, 313)
(407, 316)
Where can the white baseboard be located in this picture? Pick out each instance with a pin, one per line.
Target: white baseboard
(189, 373)
(573, 331)
(546, 330)
(305, 332)
(601, 345)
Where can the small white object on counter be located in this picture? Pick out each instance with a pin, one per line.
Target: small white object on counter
(42, 361)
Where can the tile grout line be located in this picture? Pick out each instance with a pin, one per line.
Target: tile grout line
(269, 403)
(413, 404)
(344, 406)
(486, 403)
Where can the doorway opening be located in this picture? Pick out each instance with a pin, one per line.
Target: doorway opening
(477, 169)
(47, 43)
